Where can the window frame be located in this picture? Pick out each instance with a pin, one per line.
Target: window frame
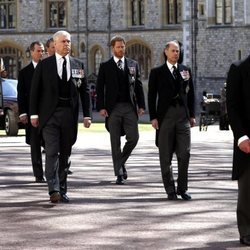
(223, 12)
(8, 4)
(137, 12)
(49, 19)
(172, 14)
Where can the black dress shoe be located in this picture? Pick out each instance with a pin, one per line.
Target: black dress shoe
(120, 180)
(185, 196)
(245, 240)
(172, 196)
(55, 197)
(64, 198)
(125, 174)
(40, 180)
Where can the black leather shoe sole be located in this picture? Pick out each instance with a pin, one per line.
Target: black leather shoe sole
(245, 240)
(64, 198)
(40, 180)
(185, 196)
(172, 196)
(120, 180)
(125, 174)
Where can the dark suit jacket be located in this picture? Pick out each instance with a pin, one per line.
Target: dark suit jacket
(44, 94)
(161, 91)
(23, 93)
(107, 85)
(238, 107)
(23, 88)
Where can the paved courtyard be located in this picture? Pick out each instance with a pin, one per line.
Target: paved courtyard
(102, 215)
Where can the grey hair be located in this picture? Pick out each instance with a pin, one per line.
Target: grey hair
(61, 33)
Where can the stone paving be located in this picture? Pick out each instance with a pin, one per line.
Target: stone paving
(102, 215)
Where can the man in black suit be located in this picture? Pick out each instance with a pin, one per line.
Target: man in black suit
(238, 108)
(23, 95)
(171, 109)
(57, 82)
(120, 99)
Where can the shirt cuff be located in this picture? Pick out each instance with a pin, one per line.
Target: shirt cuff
(243, 138)
(33, 116)
(89, 118)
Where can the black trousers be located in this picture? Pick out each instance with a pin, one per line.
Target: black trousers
(243, 205)
(58, 136)
(122, 116)
(34, 140)
(174, 137)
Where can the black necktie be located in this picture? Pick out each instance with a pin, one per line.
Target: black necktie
(175, 73)
(64, 71)
(119, 64)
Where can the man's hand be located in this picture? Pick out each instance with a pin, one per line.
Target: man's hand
(141, 111)
(23, 119)
(155, 124)
(86, 122)
(34, 122)
(103, 113)
(245, 146)
(192, 122)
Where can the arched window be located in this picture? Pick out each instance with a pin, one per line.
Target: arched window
(97, 60)
(82, 47)
(12, 60)
(142, 55)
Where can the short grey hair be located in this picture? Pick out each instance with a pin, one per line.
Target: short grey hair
(61, 33)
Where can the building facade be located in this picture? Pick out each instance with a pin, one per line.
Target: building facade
(213, 33)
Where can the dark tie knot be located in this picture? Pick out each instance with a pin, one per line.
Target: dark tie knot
(119, 64)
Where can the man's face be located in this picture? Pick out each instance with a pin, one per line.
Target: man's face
(37, 53)
(119, 49)
(51, 49)
(62, 45)
(172, 53)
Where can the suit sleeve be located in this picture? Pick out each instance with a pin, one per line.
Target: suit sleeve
(22, 97)
(100, 102)
(85, 98)
(35, 90)
(139, 90)
(191, 97)
(234, 102)
(152, 95)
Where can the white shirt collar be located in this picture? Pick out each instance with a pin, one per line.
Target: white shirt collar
(59, 57)
(116, 59)
(34, 64)
(170, 66)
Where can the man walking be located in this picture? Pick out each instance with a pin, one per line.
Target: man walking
(120, 99)
(238, 108)
(171, 110)
(23, 95)
(57, 83)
